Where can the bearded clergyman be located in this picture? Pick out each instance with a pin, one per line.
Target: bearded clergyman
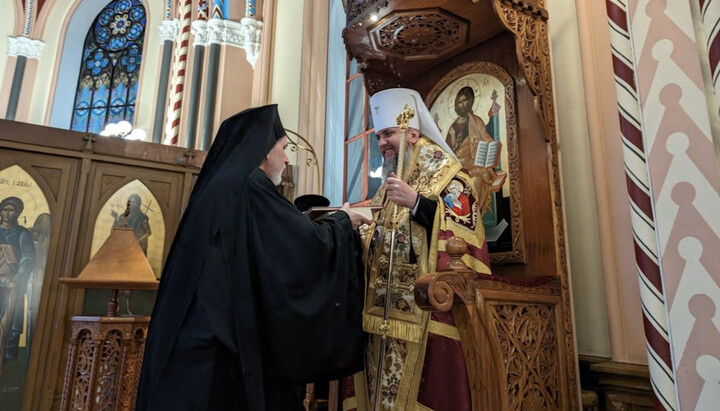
(422, 364)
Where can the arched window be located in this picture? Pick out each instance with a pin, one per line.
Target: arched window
(108, 81)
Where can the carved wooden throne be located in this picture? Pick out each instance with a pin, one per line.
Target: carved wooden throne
(516, 325)
(511, 332)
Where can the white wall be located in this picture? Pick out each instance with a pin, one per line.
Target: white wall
(287, 54)
(7, 29)
(583, 237)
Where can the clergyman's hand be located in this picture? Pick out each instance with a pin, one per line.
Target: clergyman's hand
(399, 192)
(355, 218)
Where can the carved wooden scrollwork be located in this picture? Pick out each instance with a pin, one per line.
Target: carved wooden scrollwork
(419, 35)
(104, 361)
(110, 357)
(527, 341)
(439, 291)
(357, 11)
(510, 330)
(527, 21)
(82, 372)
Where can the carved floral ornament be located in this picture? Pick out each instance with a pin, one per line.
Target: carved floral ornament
(25, 46)
(358, 10)
(420, 35)
(245, 35)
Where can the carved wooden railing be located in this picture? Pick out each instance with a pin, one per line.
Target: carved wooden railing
(103, 365)
(511, 332)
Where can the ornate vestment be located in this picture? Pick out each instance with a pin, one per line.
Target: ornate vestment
(412, 377)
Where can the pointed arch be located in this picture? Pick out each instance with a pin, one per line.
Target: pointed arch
(69, 24)
(15, 181)
(109, 71)
(24, 248)
(147, 219)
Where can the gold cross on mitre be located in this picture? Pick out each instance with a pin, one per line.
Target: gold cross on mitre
(403, 120)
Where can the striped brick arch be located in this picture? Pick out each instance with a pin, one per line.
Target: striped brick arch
(643, 224)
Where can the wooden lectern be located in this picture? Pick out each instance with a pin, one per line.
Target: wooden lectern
(105, 356)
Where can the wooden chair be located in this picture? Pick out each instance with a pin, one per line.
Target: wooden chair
(331, 403)
(512, 334)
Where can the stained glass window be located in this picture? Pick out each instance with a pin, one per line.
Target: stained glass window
(108, 81)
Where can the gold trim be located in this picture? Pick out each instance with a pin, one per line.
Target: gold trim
(398, 329)
(360, 400)
(445, 330)
(420, 407)
(472, 262)
(476, 265)
(350, 403)
(434, 245)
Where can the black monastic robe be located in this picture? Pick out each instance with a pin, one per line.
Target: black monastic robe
(255, 299)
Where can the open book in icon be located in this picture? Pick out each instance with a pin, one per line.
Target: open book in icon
(487, 154)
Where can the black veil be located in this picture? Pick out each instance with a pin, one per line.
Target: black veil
(285, 293)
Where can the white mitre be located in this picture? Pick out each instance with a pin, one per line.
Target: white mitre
(387, 105)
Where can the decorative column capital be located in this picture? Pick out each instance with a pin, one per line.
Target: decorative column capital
(245, 35)
(216, 29)
(25, 46)
(199, 31)
(168, 29)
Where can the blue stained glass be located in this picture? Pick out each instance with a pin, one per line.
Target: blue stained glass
(83, 97)
(119, 95)
(105, 17)
(117, 106)
(80, 120)
(131, 95)
(96, 111)
(121, 24)
(103, 35)
(117, 43)
(110, 65)
(97, 63)
(98, 118)
(123, 6)
(355, 170)
(137, 14)
(135, 32)
(102, 92)
(131, 60)
(116, 114)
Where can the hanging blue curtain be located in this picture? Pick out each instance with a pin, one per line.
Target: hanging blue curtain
(108, 81)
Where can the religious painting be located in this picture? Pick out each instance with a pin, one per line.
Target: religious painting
(474, 107)
(132, 206)
(459, 203)
(25, 225)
